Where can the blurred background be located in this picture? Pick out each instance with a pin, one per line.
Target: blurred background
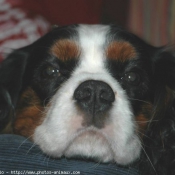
(24, 21)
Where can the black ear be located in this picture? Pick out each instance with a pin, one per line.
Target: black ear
(164, 68)
(159, 153)
(11, 75)
(164, 82)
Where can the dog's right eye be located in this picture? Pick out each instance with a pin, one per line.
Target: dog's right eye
(50, 71)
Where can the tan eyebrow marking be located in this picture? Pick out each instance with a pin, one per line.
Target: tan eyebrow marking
(121, 51)
(65, 49)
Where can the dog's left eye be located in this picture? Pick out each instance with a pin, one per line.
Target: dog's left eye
(132, 78)
(50, 71)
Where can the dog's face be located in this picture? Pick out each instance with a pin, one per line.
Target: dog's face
(89, 91)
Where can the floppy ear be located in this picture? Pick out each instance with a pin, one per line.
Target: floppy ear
(11, 75)
(159, 153)
(164, 82)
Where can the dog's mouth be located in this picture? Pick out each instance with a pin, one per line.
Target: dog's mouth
(101, 144)
(90, 143)
(92, 134)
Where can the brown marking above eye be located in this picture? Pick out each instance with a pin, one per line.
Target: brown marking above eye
(29, 113)
(120, 50)
(65, 49)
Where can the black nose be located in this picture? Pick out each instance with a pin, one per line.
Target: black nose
(94, 96)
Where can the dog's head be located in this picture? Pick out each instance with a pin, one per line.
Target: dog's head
(88, 90)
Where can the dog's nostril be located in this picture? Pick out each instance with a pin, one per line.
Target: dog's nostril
(107, 96)
(84, 94)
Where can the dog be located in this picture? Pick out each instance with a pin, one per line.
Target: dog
(95, 91)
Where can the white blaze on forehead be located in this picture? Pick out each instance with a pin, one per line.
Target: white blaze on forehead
(92, 39)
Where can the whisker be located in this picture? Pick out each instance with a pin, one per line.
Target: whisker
(143, 135)
(139, 100)
(33, 145)
(148, 159)
(33, 105)
(45, 159)
(38, 153)
(48, 161)
(95, 165)
(147, 121)
(43, 112)
(147, 156)
(45, 101)
(24, 142)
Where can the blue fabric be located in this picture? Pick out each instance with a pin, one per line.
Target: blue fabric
(19, 155)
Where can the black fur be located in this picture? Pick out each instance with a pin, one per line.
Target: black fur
(158, 157)
(11, 76)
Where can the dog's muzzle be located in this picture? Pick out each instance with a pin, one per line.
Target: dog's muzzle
(94, 98)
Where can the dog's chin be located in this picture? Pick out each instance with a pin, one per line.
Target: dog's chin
(90, 145)
(94, 145)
